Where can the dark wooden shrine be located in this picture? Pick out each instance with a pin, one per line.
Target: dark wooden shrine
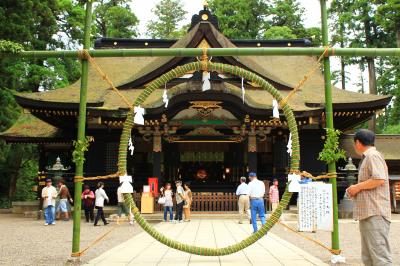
(210, 138)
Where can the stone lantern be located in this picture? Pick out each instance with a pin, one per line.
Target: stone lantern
(57, 170)
(346, 204)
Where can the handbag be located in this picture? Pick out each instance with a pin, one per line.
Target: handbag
(161, 200)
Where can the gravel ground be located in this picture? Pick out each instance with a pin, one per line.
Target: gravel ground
(350, 242)
(25, 241)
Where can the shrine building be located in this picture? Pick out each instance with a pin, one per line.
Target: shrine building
(210, 138)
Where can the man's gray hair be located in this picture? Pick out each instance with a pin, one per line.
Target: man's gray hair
(243, 178)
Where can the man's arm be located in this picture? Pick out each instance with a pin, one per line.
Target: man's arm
(365, 185)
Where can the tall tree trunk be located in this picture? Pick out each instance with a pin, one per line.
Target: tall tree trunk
(343, 73)
(372, 88)
(371, 67)
(398, 38)
(14, 160)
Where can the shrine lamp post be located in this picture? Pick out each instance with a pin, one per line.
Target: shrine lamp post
(329, 121)
(76, 232)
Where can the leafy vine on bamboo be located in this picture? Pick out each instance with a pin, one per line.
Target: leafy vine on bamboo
(331, 153)
(78, 155)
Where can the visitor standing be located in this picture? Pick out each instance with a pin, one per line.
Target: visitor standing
(372, 201)
(49, 195)
(257, 191)
(122, 208)
(180, 201)
(274, 195)
(188, 199)
(65, 198)
(243, 193)
(101, 196)
(88, 203)
(168, 205)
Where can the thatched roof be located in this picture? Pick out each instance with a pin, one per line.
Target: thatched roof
(388, 145)
(131, 74)
(29, 127)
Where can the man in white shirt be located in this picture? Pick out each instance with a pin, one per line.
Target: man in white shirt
(257, 192)
(244, 201)
(49, 195)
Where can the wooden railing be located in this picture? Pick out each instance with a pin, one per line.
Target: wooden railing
(205, 202)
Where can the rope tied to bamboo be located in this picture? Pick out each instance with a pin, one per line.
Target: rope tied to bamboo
(308, 175)
(84, 54)
(319, 243)
(81, 178)
(300, 84)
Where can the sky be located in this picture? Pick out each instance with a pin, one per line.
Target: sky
(142, 9)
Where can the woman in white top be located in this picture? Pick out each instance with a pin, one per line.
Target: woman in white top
(99, 203)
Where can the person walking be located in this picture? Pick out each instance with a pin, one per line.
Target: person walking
(371, 197)
(101, 196)
(88, 203)
(243, 192)
(257, 191)
(168, 205)
(49, 195)
(65, 197)
(274, 195)
(180, 201)
(188, 199)
(122, 208)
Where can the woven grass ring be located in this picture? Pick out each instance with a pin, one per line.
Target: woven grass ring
(126, 133)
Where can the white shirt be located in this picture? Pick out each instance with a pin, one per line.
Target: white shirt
(243, 189)
(119, 195)
(257, 189)
(100, 197)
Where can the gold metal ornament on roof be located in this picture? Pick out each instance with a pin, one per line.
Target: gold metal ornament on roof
(205, 108)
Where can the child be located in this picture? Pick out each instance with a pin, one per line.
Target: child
(274, 195)
(167, 193)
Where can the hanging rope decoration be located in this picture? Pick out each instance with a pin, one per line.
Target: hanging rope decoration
(275, 109)
(128, 125)
(139, 118)
(243, 91)
(289, 145)
(165, 96)
(131, 148)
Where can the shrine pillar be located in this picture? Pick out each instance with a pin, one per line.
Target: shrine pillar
(157, 153)
(252, 152)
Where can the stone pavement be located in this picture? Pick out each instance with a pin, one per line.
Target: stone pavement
(144, 250)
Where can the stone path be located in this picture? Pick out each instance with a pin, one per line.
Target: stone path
(144, 250)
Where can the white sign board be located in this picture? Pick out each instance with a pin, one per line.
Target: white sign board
(315, 207)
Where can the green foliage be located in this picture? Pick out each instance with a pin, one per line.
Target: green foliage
(278, 33)
(26, 181)
(169, 13)
(288, 13)
(331, 152)
(240, 19)
(388, 16)
(81, 146)
(10, 47)
(114, 18)
(392, 129)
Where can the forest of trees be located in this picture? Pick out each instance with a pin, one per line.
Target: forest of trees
(58, 24)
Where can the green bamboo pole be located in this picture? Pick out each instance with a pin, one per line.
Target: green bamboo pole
(189, 52)
(81, 131)
(329, 122)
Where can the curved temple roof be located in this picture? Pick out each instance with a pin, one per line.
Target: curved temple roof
(130, 75)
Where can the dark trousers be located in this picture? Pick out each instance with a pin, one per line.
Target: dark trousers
(100, 214)
(89, 213)
(179, 210)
